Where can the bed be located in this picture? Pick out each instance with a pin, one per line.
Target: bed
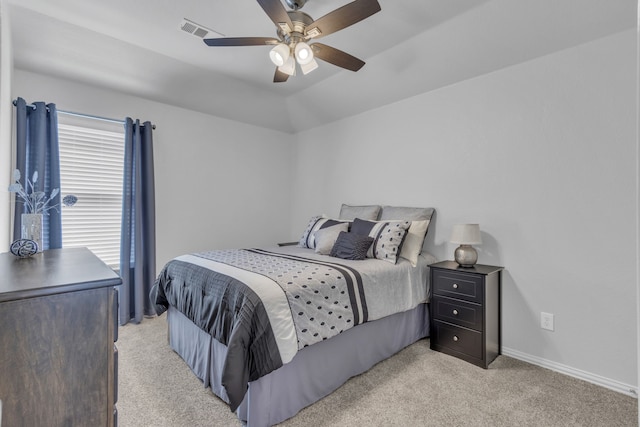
(273, 330)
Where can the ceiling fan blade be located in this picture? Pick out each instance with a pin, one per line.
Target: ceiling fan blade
(342, 17)
(278, 14)
(336, 57)
(242, 41)
(280, 77)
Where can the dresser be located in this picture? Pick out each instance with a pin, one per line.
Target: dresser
(465, 311)
(58, 326)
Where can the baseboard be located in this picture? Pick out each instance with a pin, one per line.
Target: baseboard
(614, 385)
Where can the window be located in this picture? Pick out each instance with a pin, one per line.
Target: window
(91, 168)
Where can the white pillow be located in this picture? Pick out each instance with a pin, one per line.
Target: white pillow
(325, 238)
(412, 245)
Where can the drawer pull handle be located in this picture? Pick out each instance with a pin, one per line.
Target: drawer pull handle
(455, 338)
(455, 312)
(455, 286)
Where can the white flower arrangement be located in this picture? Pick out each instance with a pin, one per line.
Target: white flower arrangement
(36, 202)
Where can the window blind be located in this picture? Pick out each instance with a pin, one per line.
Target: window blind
(91, 168)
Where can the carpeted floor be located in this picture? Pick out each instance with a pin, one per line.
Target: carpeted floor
(416, 387)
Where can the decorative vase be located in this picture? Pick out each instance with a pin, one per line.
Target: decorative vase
(32, 228)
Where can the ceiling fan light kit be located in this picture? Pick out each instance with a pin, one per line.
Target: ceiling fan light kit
(309, 67)
(280, 54)
(295, 29)
(289, 67)
(304, 55)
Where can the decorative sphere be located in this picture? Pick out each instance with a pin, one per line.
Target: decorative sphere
(23, 248)
(69, 200)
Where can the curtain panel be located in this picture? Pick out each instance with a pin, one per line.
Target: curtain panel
(138, 238)
(37, 150)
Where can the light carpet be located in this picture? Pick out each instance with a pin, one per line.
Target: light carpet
(416, 387)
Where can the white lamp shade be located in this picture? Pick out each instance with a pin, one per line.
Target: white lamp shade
(289, 67)
(304, 54)
(307, 68)
(466, 234)
(280, 54)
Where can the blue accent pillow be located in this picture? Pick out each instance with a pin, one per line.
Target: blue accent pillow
(351, 246)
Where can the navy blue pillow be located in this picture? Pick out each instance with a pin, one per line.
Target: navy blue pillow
(351, 246)
(362, 227)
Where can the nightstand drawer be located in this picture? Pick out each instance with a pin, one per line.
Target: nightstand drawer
(458, 339)
(458, 285)
(457, 312)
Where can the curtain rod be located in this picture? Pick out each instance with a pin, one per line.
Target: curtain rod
(71, 113)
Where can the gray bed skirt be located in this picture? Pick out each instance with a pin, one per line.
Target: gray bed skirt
(314, 372)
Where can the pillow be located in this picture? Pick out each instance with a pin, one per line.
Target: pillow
(420, 219)
(351, 246)
(388, 237)
(316, 223)
(369, 212)
(412, 245)
(326, 237)
(401, 212)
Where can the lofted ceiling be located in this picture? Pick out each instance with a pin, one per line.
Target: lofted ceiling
(410, 47)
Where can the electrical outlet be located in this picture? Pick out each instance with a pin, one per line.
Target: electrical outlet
(546, 321)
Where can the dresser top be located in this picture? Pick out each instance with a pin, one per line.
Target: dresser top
(52, 272)
(477, 268)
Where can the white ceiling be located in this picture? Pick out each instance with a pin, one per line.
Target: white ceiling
(410, 47)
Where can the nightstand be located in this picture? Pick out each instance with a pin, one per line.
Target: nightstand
(465, 311)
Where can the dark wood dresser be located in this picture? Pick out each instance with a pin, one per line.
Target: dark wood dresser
(465, 311)
(58, 325)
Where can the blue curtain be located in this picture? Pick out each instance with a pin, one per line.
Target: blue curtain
(138, 239)
(37, 150)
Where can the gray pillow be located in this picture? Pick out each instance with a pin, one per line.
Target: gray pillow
(325, 238)
(368, 212)
(401, 212)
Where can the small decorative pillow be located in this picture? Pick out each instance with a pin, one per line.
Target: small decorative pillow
(351, 246)
(316, 223)
(326, 237)
(388, 237)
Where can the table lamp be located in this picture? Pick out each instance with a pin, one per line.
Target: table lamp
(466, 235)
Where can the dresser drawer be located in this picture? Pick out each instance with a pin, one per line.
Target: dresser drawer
(458, 285)
(457, 312)
(458, 339)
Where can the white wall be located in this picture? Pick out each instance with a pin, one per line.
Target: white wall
(541, 155)
(219, 183)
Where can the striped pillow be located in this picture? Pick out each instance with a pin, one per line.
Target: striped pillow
(388, 237)
(316, 223)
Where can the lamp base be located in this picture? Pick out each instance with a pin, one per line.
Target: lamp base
(465, 256)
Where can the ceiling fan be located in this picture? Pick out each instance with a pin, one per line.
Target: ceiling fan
(295, 29)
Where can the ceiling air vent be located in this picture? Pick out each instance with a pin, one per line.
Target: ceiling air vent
(198, 30)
